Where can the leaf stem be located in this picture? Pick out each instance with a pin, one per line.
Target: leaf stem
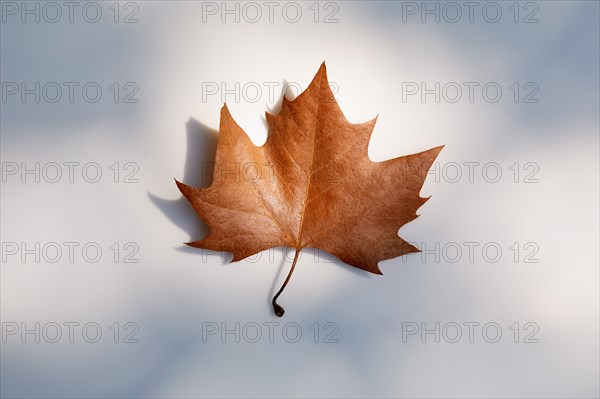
(279, 311)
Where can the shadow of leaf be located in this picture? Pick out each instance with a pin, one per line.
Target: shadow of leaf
(199, 161)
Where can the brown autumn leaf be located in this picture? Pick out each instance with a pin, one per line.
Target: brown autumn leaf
(311, 184)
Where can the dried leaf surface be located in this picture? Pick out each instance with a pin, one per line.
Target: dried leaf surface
(311, 184)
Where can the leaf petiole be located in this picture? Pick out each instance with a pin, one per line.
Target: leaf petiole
(279, 311)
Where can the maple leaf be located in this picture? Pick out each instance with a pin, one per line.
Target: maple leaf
(311, 184)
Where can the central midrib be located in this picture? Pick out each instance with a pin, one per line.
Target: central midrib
(312, 158)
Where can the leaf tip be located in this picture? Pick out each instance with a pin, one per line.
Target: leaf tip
(412, 249)
(438, 149)
(183, 188)
(372, 267)
(321, 73)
